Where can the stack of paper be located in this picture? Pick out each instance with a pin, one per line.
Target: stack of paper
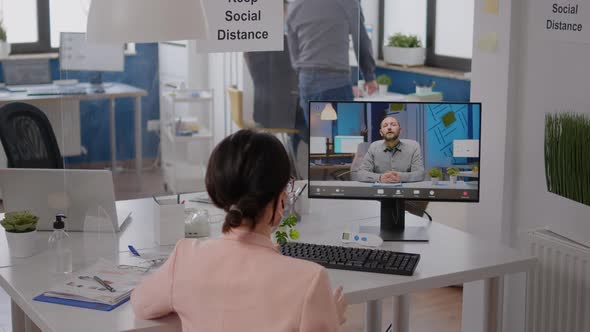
(86, 288)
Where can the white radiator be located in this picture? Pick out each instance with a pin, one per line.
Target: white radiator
(558, 292)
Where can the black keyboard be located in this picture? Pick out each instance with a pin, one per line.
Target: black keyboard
(353, 258)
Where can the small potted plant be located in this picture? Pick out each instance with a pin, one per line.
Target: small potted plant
(452, 172)
(435, 175)
(405, 50)
(384, 81)
(286, 230)
(423, 88)
(4, 46)
(21, 233)
(475, 168)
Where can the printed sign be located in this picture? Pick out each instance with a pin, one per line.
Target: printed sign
(243, 26)
(566, 20)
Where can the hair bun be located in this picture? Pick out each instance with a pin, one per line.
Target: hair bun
(233, 218)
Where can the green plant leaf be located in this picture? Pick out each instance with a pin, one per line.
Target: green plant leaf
(281, 237)
(435, 173)
(294, 234)
(567, 153)
(383, 79)
(290, 221)
(20, 221)
(401, 40)
(2, 32)
(452, 171)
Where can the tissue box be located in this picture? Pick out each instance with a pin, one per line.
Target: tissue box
(168, 222)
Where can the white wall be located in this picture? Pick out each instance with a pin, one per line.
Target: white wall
(371, 12)
(555, 78)
(493, 85)
(526, 78)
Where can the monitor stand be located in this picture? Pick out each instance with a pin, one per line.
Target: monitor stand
(393, 220)
(96, 83)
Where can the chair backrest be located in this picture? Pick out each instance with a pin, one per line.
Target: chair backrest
(361, 151)
(27, 137)
(236, 98)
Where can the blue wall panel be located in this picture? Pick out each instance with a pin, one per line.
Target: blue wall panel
(403, 82)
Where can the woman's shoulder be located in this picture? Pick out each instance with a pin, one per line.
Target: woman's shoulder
(184, 246)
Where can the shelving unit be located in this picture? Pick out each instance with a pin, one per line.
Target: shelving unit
(185, 154)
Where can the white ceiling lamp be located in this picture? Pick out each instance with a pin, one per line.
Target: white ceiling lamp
(328, 113)
(122, 21)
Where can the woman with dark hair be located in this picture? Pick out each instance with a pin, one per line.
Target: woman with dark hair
(240, 282)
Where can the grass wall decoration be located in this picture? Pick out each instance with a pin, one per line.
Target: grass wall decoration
(567, 155)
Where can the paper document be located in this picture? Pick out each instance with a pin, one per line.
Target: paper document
(83, 286)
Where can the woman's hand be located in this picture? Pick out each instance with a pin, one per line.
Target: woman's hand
(340, 304)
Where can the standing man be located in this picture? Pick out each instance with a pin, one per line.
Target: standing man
(391, 160)
(318, 36)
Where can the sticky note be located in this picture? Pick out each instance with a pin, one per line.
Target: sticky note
(488, 42)
(491, 6)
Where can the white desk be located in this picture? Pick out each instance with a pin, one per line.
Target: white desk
(451, 257)
(426, 184)
(112, 92)
(389, 96)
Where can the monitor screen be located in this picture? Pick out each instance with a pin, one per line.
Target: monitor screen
(402, 150)
(75, 53)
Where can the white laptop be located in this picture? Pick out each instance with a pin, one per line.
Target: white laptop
(86, 197)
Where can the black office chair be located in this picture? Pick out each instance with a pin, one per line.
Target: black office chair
(27, 137)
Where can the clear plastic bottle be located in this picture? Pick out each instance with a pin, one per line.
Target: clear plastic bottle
(60, 247)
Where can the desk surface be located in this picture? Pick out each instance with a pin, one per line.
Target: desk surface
(138, 231)
(462, 185)
(451, 257)
(112, 90)
(390, 96)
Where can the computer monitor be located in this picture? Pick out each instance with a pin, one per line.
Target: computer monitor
(76, 53)
(433, 154)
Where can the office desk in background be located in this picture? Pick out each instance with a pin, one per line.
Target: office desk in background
(389, 96)
(112, 92)
(451, 257)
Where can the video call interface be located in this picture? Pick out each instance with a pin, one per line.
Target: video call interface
(405, 150)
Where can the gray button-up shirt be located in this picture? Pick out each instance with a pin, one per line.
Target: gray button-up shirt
(405, 158)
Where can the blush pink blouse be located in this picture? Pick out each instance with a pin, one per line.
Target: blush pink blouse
(238, 282)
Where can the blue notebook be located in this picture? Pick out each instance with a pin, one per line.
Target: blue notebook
(77, 303)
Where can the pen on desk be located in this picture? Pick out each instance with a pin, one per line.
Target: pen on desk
(104, 284)
(133, 251)
(200, 200)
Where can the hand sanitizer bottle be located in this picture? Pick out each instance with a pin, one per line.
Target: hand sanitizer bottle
(60, 247)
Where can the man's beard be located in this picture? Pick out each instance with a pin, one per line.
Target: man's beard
(391, 138)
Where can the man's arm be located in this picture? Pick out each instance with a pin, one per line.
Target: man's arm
(416, 172)
(365, 173)
(360, 39)
(293, 43)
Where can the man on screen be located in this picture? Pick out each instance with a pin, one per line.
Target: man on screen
(391, 160)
